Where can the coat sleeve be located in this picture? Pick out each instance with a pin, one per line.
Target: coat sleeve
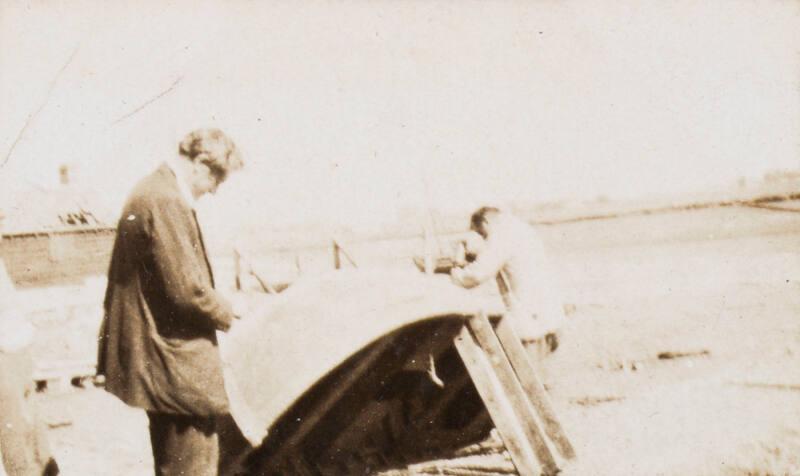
(182, 266)
(486, 266)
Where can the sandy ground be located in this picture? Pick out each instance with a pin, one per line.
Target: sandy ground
(725, 281)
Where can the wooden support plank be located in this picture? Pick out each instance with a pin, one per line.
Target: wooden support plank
(241, 262)
(500, 409)
(533, 387)
(264, 285)
(486, 338)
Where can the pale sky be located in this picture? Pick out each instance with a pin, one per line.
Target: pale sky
(345, 109)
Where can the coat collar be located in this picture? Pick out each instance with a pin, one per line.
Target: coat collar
(182, 180)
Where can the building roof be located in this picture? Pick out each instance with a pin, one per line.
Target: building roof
(32, 209)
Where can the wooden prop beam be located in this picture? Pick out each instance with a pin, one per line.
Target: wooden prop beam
(497, 403)
(533, 387)
(527, 376)
(522, 406)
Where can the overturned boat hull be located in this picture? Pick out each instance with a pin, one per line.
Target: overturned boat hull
(354, 373)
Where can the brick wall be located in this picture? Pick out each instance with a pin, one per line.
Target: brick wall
(58, 258)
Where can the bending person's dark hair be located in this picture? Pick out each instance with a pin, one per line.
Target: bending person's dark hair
(480, 216)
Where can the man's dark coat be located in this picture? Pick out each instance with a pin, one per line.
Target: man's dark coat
(158, 346)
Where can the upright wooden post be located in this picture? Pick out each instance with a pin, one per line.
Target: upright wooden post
(337, 260)
(237, 267)
(428, 238)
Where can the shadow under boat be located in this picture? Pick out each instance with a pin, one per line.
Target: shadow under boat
(352, 372)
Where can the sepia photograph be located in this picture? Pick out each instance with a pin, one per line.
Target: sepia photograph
(400, 238)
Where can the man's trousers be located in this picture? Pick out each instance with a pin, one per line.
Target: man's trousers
(184, 445)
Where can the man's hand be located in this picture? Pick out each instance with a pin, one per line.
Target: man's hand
(457, 276)
(460, 258)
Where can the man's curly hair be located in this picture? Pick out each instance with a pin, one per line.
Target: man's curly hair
(213, 148)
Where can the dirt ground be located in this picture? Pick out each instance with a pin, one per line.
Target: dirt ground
(721, 284)
(724, 281)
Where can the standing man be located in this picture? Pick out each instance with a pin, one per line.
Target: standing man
(158, 346)
(512, 253)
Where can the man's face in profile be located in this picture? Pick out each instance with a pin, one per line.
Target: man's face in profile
(206, 178)
(481, 228)
(473, 244)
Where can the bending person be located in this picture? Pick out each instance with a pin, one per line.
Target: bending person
(512, 253)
